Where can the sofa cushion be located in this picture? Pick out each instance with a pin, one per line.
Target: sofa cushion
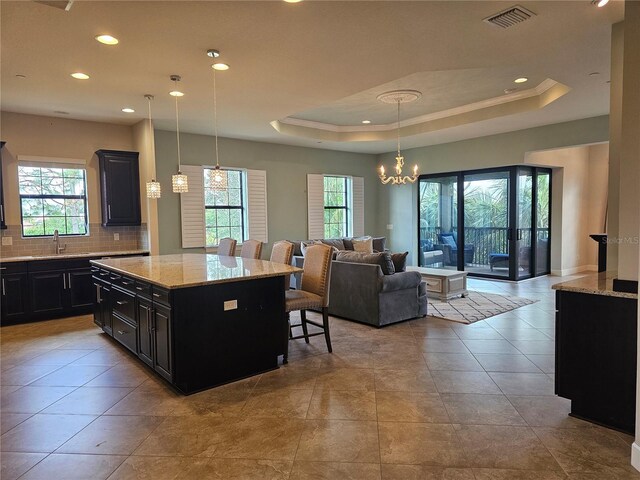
(379, 244)
(297, 247)
(382, 258)
(401, 281)
(448, 240)
(307, 243)
(336, 243)
(348, 244)
(399, 261)
(363, 244)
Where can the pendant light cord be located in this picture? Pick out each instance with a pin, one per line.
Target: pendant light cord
(215, 116)
(177, 127)
(149, 97)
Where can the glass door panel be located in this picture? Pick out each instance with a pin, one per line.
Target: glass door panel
(438, 205)
(485, 248)
(543, 222)
(524, 227)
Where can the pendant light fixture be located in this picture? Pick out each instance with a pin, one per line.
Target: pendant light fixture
(398, 97)
(153, 187)
(179, 181)
(218, 178)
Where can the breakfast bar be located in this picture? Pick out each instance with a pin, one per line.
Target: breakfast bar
(198, 320)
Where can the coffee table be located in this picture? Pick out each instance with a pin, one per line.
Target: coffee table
(443, 284)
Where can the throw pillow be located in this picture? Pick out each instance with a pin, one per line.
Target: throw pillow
(448, 240)
(399, 261)
(363, 244)
(383, 259)
(348, 244)
(308, 243)
(379, 244)
(336, 243)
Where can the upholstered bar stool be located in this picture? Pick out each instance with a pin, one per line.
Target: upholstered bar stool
(282, 252)
(227, 247)
(313, 293)
(251, 249)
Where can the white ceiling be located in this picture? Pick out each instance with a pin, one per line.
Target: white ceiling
(316, 60)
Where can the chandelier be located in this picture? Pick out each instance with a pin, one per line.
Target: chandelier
(179, 181)
(398, 97)
(153, 188)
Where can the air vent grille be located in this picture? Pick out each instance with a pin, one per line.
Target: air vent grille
(510, 17)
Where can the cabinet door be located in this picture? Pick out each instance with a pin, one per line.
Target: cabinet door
(97, 307)
(14, 297)
(82, 292)
(145, 334)
(162, 340)
(48, 292)
(120, 187)
(105, 308)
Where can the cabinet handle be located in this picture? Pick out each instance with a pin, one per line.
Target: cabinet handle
(98, 294)
(122, 332)
(122, 302)
(69, 280)
(2, 212)
(139, 288)
(149, 320)
(109, 212)
(3, 268)
(3, 290)
(157, 295)
(64, 280)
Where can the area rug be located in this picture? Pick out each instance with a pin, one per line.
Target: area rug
(475, 306)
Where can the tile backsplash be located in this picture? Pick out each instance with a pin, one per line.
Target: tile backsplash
(100, 239)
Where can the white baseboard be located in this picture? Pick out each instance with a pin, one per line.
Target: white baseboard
(572, 271)
(635, 456)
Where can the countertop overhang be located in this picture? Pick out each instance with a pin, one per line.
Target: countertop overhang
(194, 269)
(594, 284)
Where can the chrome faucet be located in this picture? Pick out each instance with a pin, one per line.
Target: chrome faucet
(56, 241)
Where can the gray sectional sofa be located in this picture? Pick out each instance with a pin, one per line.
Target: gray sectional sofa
(361, 292)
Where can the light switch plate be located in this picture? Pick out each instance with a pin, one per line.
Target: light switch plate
(6, 241)
(230, 305)
(390, 226)
(116, 236)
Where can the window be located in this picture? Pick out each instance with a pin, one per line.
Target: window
(336, 207)
(224, 210)
(52, 199)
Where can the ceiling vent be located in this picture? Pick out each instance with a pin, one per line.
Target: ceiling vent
(510, 17)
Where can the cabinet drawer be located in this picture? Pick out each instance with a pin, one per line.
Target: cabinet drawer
(103, 275)
(13, 267)
(434, 285)
(160, 295)
(124, 332)
(143, 289)
(125, 283)
(124, 303)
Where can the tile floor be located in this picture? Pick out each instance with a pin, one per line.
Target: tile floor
(425, 399)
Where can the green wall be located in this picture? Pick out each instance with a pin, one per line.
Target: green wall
(286, 168)
(399, 204)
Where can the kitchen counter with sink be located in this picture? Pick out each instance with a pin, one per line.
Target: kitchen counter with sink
(62, 256)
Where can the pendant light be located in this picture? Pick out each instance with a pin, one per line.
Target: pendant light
(218, 178)
(179, 181)
(153, 187)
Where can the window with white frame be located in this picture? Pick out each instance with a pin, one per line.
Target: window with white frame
(225, 209)
(336, 206)
(52, 199)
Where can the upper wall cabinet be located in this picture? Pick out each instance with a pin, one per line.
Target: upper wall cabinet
(120, 187)
(2, 212)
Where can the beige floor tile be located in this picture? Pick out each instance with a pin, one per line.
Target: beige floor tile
(404, 380)
(544, 347)
(246, 469)
(501, 474)
(14, 464)
(339, 441)
(215, 402)
(452, 361)
(343, 405)
(476, 409)
(161, 468)
(508, 447)
(71, 376)
(121, 375)
(420, 444)
(496, 362)
(442, 345)
(25, 374)
(409, 358)
(112, 435)
(430, 331)
(10, 420)
(522, 334)
(289, 403)
(43, 433)
(424, 472)
(104, 356)
(546, 411)
(490, 346)
(289, 376)
(466, 333)
(335, 471)
(74, 467)
(157, 400)
(410, 407)
(261, 438)
(523, 383)
(32, 399)
(346, 379)
(88, 400)
(546, 363)
(57, 357)
(464, 382)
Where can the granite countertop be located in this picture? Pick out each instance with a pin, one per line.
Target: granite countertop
(194, 269)
(63, 256)
(594, 284)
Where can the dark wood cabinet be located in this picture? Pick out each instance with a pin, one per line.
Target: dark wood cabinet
(3, 225)
(145, 334)
(161, 328)
(119, 187)
(81, 291)
(48, 292)
(15, 300)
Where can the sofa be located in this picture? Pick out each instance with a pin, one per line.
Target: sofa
(431, 256)
(361, 292)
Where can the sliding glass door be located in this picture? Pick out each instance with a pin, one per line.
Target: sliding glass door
(490, 223)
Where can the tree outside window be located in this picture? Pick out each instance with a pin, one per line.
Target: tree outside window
(336, 210)
(224, 209)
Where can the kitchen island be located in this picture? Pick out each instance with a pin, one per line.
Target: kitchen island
(198, 320)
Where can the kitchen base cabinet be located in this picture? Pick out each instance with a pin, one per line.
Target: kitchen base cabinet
(145, 334)
(15, 301)
(161, 335)
(81, 291)
(48, 293)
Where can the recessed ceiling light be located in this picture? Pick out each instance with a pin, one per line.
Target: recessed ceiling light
(366, 122)
(80, 76)
(107, 39)
(176, 93)
(213, 53)
(220, 66)
(128, 110)
(599, 3)
(293, 1)
(521, 80)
